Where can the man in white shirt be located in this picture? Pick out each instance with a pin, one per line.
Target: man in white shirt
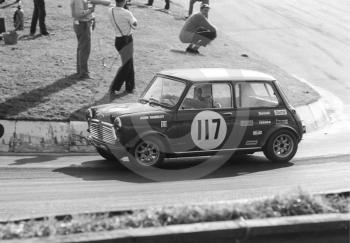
(123, 22)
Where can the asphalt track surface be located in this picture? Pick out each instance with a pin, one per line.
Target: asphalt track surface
(42, 185)
(308, 39)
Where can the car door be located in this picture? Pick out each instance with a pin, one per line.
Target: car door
(255, 102)
(204, 119)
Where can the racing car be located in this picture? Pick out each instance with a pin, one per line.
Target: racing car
(195, 112)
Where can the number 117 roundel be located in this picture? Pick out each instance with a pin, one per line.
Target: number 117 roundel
(194, 112)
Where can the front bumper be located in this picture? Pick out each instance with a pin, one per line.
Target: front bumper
(117, 149)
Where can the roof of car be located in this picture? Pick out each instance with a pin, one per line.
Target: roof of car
(217, 74)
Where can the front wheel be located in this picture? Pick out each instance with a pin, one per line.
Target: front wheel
(281, 146)
(149, 151)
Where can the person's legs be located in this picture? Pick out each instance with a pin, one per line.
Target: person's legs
(42, 15)
(83, 32)
(167, 4)
(150, 3)
(130, 76)
(190, 8)
(202, 38)
(34, 18)
(125, 48)
(207, 36)
(122, 46)
(77, 33)
(118, 80)
(126, 53)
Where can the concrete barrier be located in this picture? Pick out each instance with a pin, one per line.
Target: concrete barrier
(309, 229)
(314, 116)
(44, 136)
(49, 136)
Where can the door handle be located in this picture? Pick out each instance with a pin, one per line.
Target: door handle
(227, 113)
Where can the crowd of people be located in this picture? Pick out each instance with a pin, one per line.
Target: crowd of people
(197, 31)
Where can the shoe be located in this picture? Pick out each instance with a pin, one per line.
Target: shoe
(130, 91)
(45, 33)
(84, 76)
(191, 50)
(149, 5)
(74, 76)
(117, 94)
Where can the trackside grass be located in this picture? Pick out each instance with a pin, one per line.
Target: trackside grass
(36, 81)
(300, 203)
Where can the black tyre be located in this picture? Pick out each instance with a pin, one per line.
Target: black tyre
(281, 146)
(107, 155)
(149, 151)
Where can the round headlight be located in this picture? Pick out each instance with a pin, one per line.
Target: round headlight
(117, 122)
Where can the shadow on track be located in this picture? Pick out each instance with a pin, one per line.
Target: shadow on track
(36, 159)
(109, 170)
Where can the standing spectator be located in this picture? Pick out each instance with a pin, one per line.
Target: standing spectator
(198, 31)
(39, 13)
(18, 18)
(166, 7)
(123, 22)
(83, 16)
(192, 2)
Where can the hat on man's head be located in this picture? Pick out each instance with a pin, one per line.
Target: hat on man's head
(204, 5)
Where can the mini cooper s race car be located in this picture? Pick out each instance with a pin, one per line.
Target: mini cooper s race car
(191, 112)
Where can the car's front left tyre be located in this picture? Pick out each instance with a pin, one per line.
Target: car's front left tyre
(149, 151)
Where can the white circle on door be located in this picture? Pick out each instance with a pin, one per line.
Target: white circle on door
(208, 130)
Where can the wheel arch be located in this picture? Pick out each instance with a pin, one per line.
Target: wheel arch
(277, 129)
(157, 134)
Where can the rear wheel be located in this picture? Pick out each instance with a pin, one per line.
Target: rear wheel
(149, 151)
(281, 146)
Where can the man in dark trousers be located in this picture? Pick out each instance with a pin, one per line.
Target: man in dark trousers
(39, 13)
(123, 22)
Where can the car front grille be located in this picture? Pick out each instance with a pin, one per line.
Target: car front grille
(102, 131)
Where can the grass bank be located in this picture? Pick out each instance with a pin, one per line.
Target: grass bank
(300, 203)
(35, 74)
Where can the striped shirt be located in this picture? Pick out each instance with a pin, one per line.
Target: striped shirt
(124, 18)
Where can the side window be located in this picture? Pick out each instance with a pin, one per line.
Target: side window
(198, 97)
(255, 94)
(222, 97)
